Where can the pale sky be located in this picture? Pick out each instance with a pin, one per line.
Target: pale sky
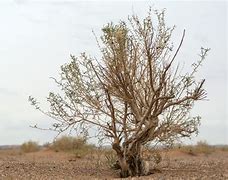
(37, 37)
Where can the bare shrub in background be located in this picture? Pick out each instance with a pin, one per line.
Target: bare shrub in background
(202, 147)
(135, 94)
(76, 145)
(30, 146)
(68, 143)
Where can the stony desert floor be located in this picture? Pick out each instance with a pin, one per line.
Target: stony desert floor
(46, 164)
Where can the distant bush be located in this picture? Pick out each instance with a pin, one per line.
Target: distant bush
(68, 143)
(223, 147)
(47, 145)
(29, 146)
(76, 145)
(202, 147)
(189, 149)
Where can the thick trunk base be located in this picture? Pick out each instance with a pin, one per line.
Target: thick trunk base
(134, 167)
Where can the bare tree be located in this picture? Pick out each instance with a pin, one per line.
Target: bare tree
(135, 94)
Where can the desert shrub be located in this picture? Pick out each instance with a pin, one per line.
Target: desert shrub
(30, 146)
(124, 93)
(76, 145)
(68, 143)
(47, 145)
(223, 148)
(189, 149)
(202, 147)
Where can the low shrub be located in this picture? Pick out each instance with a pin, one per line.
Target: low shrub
(30, 146)
(47, 145)
(223, 147)
(202, 147)
(76, 145)
(189, 149)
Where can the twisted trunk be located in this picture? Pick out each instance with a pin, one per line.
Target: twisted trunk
(131, 162)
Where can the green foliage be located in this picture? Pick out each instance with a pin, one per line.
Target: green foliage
(29, 146)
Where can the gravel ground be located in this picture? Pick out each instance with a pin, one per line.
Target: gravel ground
(51, 165)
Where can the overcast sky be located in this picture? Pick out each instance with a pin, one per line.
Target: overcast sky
(37, 37)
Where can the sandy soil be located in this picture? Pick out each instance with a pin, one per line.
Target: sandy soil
(46, 164)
